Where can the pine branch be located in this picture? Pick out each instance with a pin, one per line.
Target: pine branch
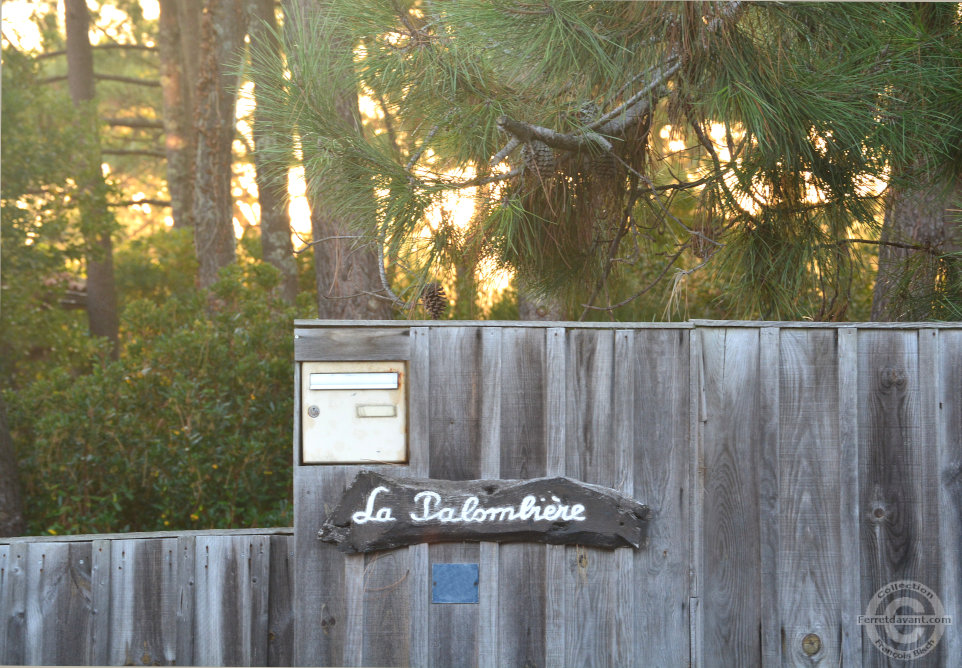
(527, 132)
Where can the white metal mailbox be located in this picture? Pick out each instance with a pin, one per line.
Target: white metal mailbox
(353, 412)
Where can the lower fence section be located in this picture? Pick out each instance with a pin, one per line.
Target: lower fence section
(201, 598)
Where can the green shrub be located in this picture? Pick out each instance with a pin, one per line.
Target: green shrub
(189, 429)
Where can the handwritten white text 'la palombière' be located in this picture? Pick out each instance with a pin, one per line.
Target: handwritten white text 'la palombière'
(471, 511)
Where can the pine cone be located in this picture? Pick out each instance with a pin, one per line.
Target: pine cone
(604, 166)
(587, 112)
(434, 299)
(538, 157)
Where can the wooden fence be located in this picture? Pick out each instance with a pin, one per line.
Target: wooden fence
(198, 598)
(793, 470)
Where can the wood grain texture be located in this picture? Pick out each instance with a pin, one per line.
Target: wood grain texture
(351, 344)
(949, 449)
(58, 589)
(555, 401)
(419, 431)
(770, 373)
(697, 417)
(13, 604)
(660, 478)
(455, 454)
(809, 578)
(489, 574)
(730, 590)
(889, 447)
(280, 634)
(143, 590)
(593, 628)
(849, 593)
(319, 589)
(523, 455)
(184, 602)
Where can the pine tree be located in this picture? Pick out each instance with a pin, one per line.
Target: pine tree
(788, 113)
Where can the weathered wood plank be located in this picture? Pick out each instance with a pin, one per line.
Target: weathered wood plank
(222, 634)
(809, 574)
(258, 549)
(280, 635)
(591, 626)
(143, 589)
(354, 610)
(949, 466)
(455, 454)
(849, 593)
(58, 601)
(554, 411)
(489, 574)
(697, 416)
(313, 324)
(231, 622)
(13, 604)
(419, 430)
(523, 454)
(768, 487)
(319, 589)
(661, 479)
(896, 544)
(621, 593)
(184, 602)
(350, 344)
(730, 589)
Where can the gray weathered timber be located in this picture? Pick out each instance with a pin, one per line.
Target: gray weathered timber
(455, 454)
(730, 586)
(808, 496)
(792, 468)
(520, 629)
(661, 461)
(594, 629)
(949, 467)
(352, 344)
(116, 601)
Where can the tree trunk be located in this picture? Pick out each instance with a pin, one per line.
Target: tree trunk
(346, 270)
(271, 183)
(907, 276)
(176, 85)
(96, 220)
(222, 42)
(11, 506)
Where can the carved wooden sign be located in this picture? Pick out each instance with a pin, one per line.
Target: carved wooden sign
(378, 512)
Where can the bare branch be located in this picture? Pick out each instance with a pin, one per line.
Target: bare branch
(512, 144)
(135, 202)
(100, 47)
(527, 132)
(133, 123)
(125, 151)
(311, 244)
(647, 288)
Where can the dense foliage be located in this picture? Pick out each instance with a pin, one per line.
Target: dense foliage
(190, 428)
(787, 119)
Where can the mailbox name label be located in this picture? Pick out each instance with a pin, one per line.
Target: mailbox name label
(379, 512)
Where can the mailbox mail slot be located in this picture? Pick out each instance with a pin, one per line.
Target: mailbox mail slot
(353, 412)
